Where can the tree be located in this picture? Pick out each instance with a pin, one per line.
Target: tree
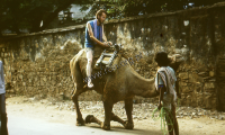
(28, 14)
(19, 14)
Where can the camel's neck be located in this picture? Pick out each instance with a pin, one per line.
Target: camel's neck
(139, 85)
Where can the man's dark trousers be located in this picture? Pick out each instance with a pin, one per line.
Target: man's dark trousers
(4, 118)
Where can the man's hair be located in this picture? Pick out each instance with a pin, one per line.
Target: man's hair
(162, 59)
(99, 13)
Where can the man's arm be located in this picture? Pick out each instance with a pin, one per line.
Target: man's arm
(2, 74)
(93, 37)
(161, 91)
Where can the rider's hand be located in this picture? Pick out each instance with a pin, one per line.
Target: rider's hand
(110, 43)
(106, 44)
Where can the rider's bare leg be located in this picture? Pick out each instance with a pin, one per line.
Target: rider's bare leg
(88, 68)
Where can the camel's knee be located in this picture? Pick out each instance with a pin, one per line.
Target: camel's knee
(75, 95)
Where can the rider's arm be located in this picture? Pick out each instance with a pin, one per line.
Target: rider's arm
(93, 37)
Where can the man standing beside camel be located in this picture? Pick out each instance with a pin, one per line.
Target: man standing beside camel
(166, 83)
(3, 114)
(94, 35)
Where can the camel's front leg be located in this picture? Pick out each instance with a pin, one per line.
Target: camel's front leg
(108, 111)
(80, 121)
(93, 119)
(118, 119)
(129, 108)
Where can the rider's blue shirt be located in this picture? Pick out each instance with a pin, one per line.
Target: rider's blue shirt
(88, 41)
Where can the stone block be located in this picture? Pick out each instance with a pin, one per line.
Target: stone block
(40, 94)
(200, 100)
(184, 87)
(66, 67)
(40, 67)
(57, 66)
(14, 76)
(211, 103)
(49, 67)
(14, 67)
(67, 94)
(21, 76)
(183, 75)
(31, 67)
(194, 77)
(209, 86)
(195, 86)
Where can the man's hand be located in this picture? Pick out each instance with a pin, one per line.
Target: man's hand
(160, 106)
(110, 43)
(179, 95)
(107, 44)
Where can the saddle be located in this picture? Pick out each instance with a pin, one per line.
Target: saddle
(108, 59)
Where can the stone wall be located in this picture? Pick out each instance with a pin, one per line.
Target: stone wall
(38, 64)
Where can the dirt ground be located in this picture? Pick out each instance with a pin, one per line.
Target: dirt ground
(63, 112)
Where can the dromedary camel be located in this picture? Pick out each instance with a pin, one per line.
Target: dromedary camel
(123, 84)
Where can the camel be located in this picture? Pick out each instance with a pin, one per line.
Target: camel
(121, 85)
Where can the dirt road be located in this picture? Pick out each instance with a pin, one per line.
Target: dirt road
(46, 117)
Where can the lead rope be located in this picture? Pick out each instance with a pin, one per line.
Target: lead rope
(163, 113)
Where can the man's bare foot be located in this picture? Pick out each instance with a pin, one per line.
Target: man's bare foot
(90, 84)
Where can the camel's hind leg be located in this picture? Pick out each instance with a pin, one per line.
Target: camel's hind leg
(78, 83)
(129, 108)
(80, 121)
(77, 79)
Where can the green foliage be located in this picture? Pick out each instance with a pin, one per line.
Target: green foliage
(19, 14)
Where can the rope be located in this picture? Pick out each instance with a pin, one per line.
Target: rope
(164, 113)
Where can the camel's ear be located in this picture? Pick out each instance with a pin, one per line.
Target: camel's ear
(175, 58)
(175, 65)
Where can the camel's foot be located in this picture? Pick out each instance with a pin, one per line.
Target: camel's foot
(80, 122)
(105, 126)
(129, 125)
(89, 119)
(92, 119)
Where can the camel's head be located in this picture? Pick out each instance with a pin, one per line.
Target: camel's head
(176, 60)
(126, 50)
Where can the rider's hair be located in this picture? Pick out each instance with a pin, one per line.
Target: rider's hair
(162, 59)
(99, 13)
